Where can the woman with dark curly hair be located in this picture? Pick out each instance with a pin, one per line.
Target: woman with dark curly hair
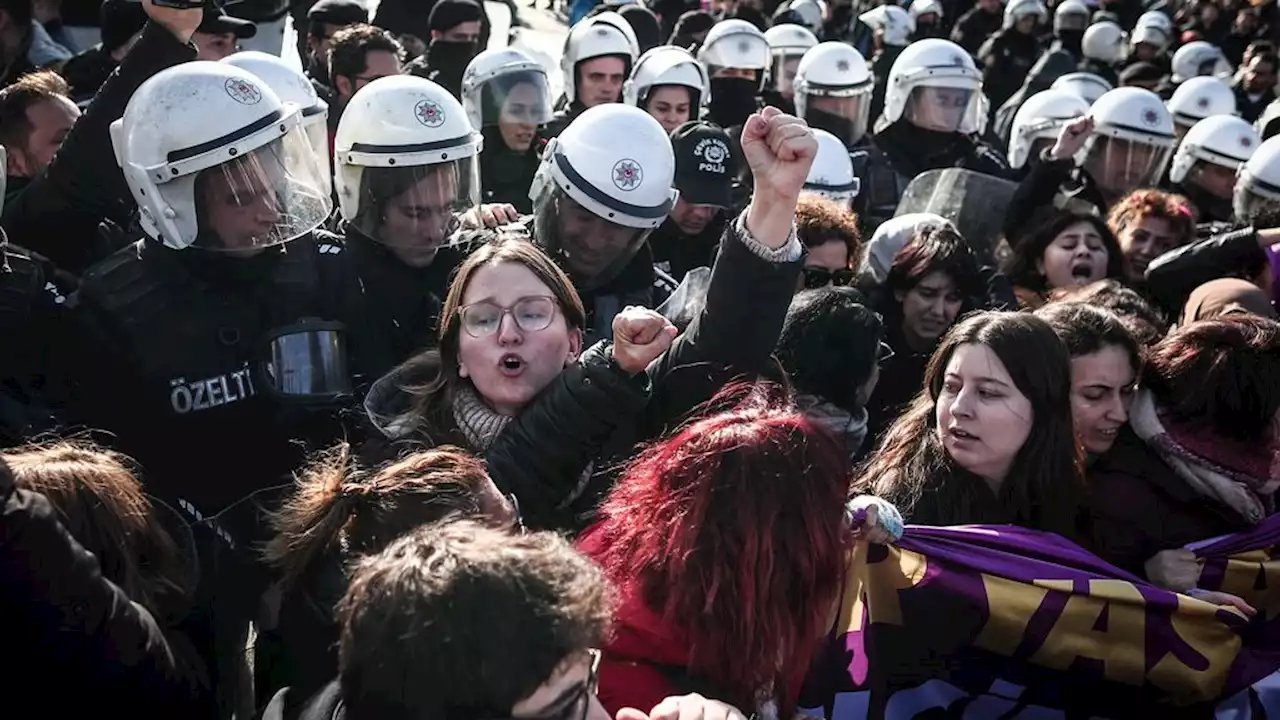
(1071, 249)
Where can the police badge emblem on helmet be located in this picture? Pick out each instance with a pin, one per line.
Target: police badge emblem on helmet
(243, 91)
(627, 174)
(429, 113)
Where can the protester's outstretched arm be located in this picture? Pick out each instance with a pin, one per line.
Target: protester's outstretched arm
(57, 215)
(754, 276)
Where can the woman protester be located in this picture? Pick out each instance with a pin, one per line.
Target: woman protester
(96, 590)
(1199, 458)
(1105, 361)
(990, 438)
(1069, 250)
(510, 379)
(726, 542)
(339, 513)
(931, 282)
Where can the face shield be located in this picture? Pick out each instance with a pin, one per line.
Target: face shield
(591, 249)
(782, 73)
(1071, 22)
(843, 112)
(943, 109)
(263, 198)
(414, 210)
(1120, 165)
(1253, 199)
(315, 123)
(516, 104)
(306, 362)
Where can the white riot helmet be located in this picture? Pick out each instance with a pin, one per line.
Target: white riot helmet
(833, 91)
(934, 85)
(1199, 58)
(1071, 15)
(1212, 153)
(924, 7)
(592, 38)
(735, 43)
(1156, 19)
(788, 43)
(666, 65)
(812, 13)
(1152, 35)
(831, 174)
(291, 86)
(1131, 141)
(1105, 42)
(506, 87)
(1087, 86)
(407, 159)
(1257, 188)
(1199, 98)
(603, 185)
(1015, 10)
(228, 168)
(895, 25)
(1039, 120)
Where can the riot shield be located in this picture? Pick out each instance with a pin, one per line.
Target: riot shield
(974, 202)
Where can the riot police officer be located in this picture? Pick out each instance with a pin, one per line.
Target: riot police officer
(1197, 99)
(407, 168)
(595, 201)
(669, 84)
(1206, 163)
(833, 92)
(1037, 125)
(505, 95)
(598, 56)
(787, 44)
(931, 114)
(205, 341)
(737, 57)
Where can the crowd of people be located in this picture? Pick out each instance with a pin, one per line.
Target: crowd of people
(395, 386)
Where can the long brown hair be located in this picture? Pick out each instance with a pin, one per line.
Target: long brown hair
(101, 503)
(1045, 486)
(432, 398)
(338, 505)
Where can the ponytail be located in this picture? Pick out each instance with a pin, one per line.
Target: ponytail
(311, 521)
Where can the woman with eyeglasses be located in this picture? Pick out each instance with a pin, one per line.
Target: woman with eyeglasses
(832, 349)
(933, 280)
(830, 235)
(511, 380)
(340, 512)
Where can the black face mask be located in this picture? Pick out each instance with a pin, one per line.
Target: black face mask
(447, 60)
(841, 127)
(926, 30)
(1071, 40)
(774, 98)
(732, 100)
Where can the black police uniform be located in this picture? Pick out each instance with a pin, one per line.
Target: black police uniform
(32, 314)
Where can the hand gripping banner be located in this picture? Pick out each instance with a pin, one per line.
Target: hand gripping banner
(1002, 622)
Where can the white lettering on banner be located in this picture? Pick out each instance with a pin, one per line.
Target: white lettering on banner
(186, 397)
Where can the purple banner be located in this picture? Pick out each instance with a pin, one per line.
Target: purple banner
(1003, 622)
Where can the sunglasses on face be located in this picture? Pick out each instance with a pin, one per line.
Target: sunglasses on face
(816, 277)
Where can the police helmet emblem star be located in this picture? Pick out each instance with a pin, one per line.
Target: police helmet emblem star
(842, 65)
(1203, 103)
(957, 60)
(1150, 118)
(1246, 141)
(744, 47)
(429, 113)
(243, 91)
(627, 174)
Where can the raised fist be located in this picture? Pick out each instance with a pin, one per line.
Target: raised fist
(779, 148)
(640, 335)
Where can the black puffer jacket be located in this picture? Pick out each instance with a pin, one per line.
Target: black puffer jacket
(593, 412)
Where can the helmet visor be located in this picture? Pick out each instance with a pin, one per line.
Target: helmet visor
(1251, 203)
(1120, 166)
(262, 198)
(516, 102)
(782, 75)
(414, 210)
(591, 249)
(943, 109)
(845, 116)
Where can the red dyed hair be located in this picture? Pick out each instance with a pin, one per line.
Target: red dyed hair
(1142, 204)
(734, 528)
